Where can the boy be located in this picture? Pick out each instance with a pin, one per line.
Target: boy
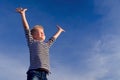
(39, 50)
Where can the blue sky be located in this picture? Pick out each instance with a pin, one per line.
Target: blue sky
(89, 49)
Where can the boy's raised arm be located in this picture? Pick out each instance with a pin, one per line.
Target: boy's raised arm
(60, 30)
(24, 20)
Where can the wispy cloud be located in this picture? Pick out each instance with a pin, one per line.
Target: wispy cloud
(101, 63)
(11, 69)
(104, 55)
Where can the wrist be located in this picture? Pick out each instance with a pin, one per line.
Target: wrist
(22, 14)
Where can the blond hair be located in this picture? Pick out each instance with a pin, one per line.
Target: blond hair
(34, 29)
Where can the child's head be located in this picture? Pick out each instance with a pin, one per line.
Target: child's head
(38, 33)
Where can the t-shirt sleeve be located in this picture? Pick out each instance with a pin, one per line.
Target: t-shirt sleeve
(28, 36)
(51, 41)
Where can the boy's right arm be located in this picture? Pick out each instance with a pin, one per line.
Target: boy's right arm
(24, 20)
(25, 24)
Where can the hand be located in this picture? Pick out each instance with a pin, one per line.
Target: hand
(60, 29)
(21, 10)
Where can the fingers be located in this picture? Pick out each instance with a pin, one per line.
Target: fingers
(60, 28)
(20, 10)
(25, 9)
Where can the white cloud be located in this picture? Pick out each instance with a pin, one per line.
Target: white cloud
(11, 69)
(103, 61)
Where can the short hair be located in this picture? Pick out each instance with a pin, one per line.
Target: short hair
(34, 29)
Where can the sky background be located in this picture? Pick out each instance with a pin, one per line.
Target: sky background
(88, 50)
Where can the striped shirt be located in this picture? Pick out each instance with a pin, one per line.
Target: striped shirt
(39, 52)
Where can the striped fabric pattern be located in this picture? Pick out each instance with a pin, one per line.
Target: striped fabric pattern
(39, 52)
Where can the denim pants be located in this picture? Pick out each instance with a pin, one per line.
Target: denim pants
(36, 75)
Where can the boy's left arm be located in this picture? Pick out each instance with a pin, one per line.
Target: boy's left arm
(60, 30)
(55, 36)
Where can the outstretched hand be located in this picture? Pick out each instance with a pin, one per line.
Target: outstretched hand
(59, 28)
(21, 10)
